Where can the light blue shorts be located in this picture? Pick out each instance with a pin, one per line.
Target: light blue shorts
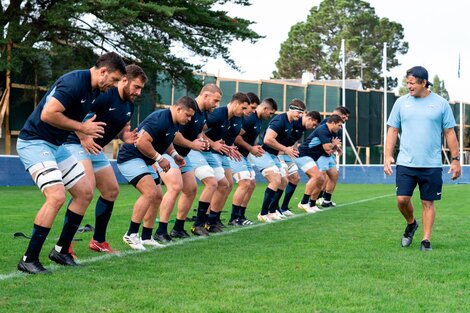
(187, 168)
(136, 167)
(32, 152)
(222, 160)
(305, 163)
(99, 161)
(325, 163)
(267, 160)
(242, 169)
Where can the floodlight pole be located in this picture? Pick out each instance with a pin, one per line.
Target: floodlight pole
(343, 53)
(384, 70)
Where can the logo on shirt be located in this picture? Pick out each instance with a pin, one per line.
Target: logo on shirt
(235, 125)
(128, 114)
(112, 109)
(167, 134)
(82, 101)
(196, 121)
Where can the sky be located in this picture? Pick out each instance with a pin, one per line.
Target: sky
(437, 33)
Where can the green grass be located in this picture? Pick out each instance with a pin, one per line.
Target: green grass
(347, 259)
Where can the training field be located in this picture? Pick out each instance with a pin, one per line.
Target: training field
(347, 259)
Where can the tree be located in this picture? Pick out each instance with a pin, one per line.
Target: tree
(147, 32)
(439, 87)
(315, 44)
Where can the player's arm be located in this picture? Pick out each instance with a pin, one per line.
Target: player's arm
(270, 140)
(127, 135)
(144, 145)
(453, 144)
(53, 114)
(197, 144)
(392, 135)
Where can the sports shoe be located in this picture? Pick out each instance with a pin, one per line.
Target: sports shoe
(220, 224)
(409, 233)
(162, 238)
(133, 241)
(315, 209)
(199, 231)
(64, 259)
(264, 218)
(179, 234)
(151, 242)
(281, 215)
(234, 222)
(33, 267)
(320, 201)
(74, 256)
(426, 245)
(328, 204)
(307, 208)
(101, 246)
(213, 228)
(244, 222)
(288, 213)
(274, 216)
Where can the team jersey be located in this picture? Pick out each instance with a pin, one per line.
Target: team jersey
(221, 127)
(297, 131)
(281, 125)
(73, 90)
(421, 121)
(252, 127)
(313, 145)
(111, 109)
(339, 134)
(192, 129)
(159, 125)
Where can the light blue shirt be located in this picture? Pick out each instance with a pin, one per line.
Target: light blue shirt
(421, 121)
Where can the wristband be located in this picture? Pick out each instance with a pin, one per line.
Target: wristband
(158, 157)
(174, 153)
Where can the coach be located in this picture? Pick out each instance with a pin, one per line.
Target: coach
(422, 117)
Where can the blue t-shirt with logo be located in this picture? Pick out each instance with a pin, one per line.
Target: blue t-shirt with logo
(73, 90)
(159, 125)
(421, 121)
(192, 129)
(313, 145)
(252, 126)
(281, 125)
(111, 109)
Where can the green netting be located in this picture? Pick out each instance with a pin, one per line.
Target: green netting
(315, 96)
(163, 88)
(275, 91)
(21, 106)
(351, 123)
(249, 87)
(293, 92)
(362, 125)
(333, 98)
(375, 118)
(228, 89)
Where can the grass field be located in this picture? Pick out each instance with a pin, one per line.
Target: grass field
(347, 259)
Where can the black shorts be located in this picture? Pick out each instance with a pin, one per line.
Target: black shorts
(429, 181)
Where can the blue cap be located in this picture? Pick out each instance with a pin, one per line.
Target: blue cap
(419, 72)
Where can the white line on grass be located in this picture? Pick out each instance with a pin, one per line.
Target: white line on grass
(106, 256)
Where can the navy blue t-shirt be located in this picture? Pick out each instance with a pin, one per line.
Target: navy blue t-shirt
(252, 127)
(236, 124)
(74, 92)
(159, 125)
(313, 145)
(297, 132)
(192, 129)
(218, 124)
(339, 134)
(111, 109)
(281, 125)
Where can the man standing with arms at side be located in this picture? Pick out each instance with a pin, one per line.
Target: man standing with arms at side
(52, 167)
(422, 117)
